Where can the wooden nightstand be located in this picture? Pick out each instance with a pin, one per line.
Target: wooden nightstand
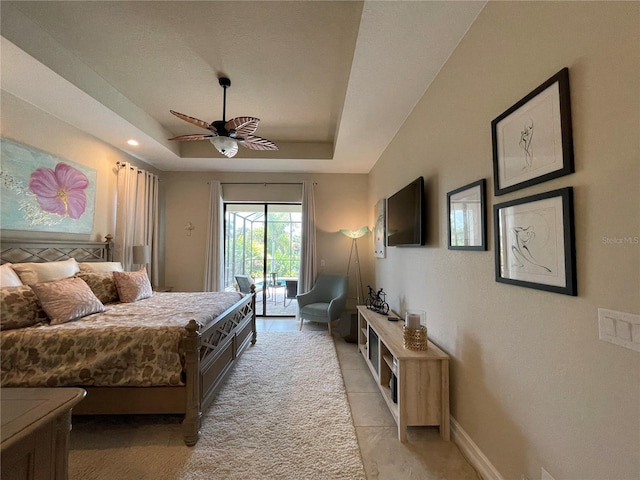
(162, 288)
(35, 431)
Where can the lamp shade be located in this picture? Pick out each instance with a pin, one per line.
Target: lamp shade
(141, 254)
(225, 145)
(355, 233)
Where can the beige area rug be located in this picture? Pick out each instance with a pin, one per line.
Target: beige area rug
(282, 414)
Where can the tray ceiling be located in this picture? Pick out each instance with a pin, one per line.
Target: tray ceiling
(332, 82)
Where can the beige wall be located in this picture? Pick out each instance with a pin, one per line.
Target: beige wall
(341, 202)
(22, 122)
(530, 381)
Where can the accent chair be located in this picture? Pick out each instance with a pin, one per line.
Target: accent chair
(325, 301)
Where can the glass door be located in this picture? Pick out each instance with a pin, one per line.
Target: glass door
(262, 244)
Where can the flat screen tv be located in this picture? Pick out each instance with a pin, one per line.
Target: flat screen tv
(405, 216)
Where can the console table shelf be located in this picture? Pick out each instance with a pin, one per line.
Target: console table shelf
(413, 383)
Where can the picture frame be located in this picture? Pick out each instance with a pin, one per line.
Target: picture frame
(41, 192)
(380, 229)
(535, 242)
(467, 217)
(532, 140)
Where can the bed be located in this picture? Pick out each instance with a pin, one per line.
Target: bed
(199, 337)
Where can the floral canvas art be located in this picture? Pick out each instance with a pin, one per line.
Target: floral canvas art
(41, 192)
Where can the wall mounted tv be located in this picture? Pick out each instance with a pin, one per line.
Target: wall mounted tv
(405, 215)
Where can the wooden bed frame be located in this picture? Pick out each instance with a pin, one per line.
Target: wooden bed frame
(210, 353)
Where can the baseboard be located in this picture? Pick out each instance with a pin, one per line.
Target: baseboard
(474, 455)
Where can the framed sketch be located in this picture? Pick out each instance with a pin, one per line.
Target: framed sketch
(379, 230)
(535, 243)
(467, 216)
(532, 140)
(41, 192)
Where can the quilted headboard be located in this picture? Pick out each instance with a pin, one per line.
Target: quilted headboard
(20, 251)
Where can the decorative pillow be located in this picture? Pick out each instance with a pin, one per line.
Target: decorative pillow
(19, 308)
(101, 284)
(133, 286)
(9, 277)
(101, 267)
(31, 273)
(67, 299)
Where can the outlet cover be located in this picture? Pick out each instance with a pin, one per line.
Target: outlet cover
(619, 328)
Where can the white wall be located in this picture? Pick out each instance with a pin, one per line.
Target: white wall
(530, 381)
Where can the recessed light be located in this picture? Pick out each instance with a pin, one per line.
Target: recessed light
(133, 143)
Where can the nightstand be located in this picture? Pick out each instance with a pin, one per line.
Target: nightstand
(162, 288)
(35, 431)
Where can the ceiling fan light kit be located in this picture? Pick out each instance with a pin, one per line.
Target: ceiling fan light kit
(225, 145)
(226, 136)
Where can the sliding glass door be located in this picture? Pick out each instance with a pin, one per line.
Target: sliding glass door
(262, 241)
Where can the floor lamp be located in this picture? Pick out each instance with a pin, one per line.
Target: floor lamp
(354, 235)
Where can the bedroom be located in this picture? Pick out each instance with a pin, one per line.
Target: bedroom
(532, 385)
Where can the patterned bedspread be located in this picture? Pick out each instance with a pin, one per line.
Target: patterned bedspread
(130, 344)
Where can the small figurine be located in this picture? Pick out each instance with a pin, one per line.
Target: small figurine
(376, 302)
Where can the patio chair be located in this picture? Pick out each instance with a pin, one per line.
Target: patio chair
(291, 291)
(246, 281)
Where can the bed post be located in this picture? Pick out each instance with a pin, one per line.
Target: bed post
(192, 419)
(108, 240)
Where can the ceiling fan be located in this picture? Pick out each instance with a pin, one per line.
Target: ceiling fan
(226, 136)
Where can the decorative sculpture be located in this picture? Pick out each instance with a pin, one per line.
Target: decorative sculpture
(376, 302)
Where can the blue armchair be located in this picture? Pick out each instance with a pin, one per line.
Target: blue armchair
(325, 301)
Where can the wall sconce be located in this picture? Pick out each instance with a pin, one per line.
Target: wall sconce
(189, 227)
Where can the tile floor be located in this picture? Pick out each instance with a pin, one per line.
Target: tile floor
(424, 456)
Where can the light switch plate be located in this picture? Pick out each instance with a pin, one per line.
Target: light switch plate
(544, 475)
(620, 328)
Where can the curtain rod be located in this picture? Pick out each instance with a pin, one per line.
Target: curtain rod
(261, 183)
(120, 164)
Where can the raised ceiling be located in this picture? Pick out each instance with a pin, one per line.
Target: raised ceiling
(332, 82)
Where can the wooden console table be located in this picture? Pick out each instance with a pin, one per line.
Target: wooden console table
(414, 383)
(35, 432)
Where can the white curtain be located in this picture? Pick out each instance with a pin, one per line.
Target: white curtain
(308, 254)
(213, 259)
(137, 216)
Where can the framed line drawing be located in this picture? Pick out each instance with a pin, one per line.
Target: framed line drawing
(532, 140)
(379, 230)
(467, 217)
(535, 242)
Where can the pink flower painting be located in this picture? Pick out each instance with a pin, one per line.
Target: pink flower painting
(60, 191)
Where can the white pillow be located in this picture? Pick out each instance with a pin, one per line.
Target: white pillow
(8, 276)
(31, 273)
(100, 267)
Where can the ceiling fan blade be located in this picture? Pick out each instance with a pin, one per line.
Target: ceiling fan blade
(242, 125)
(257, 143)
(194, 136)
(192, 120)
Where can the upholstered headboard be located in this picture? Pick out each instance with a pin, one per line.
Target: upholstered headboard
(20, 251)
